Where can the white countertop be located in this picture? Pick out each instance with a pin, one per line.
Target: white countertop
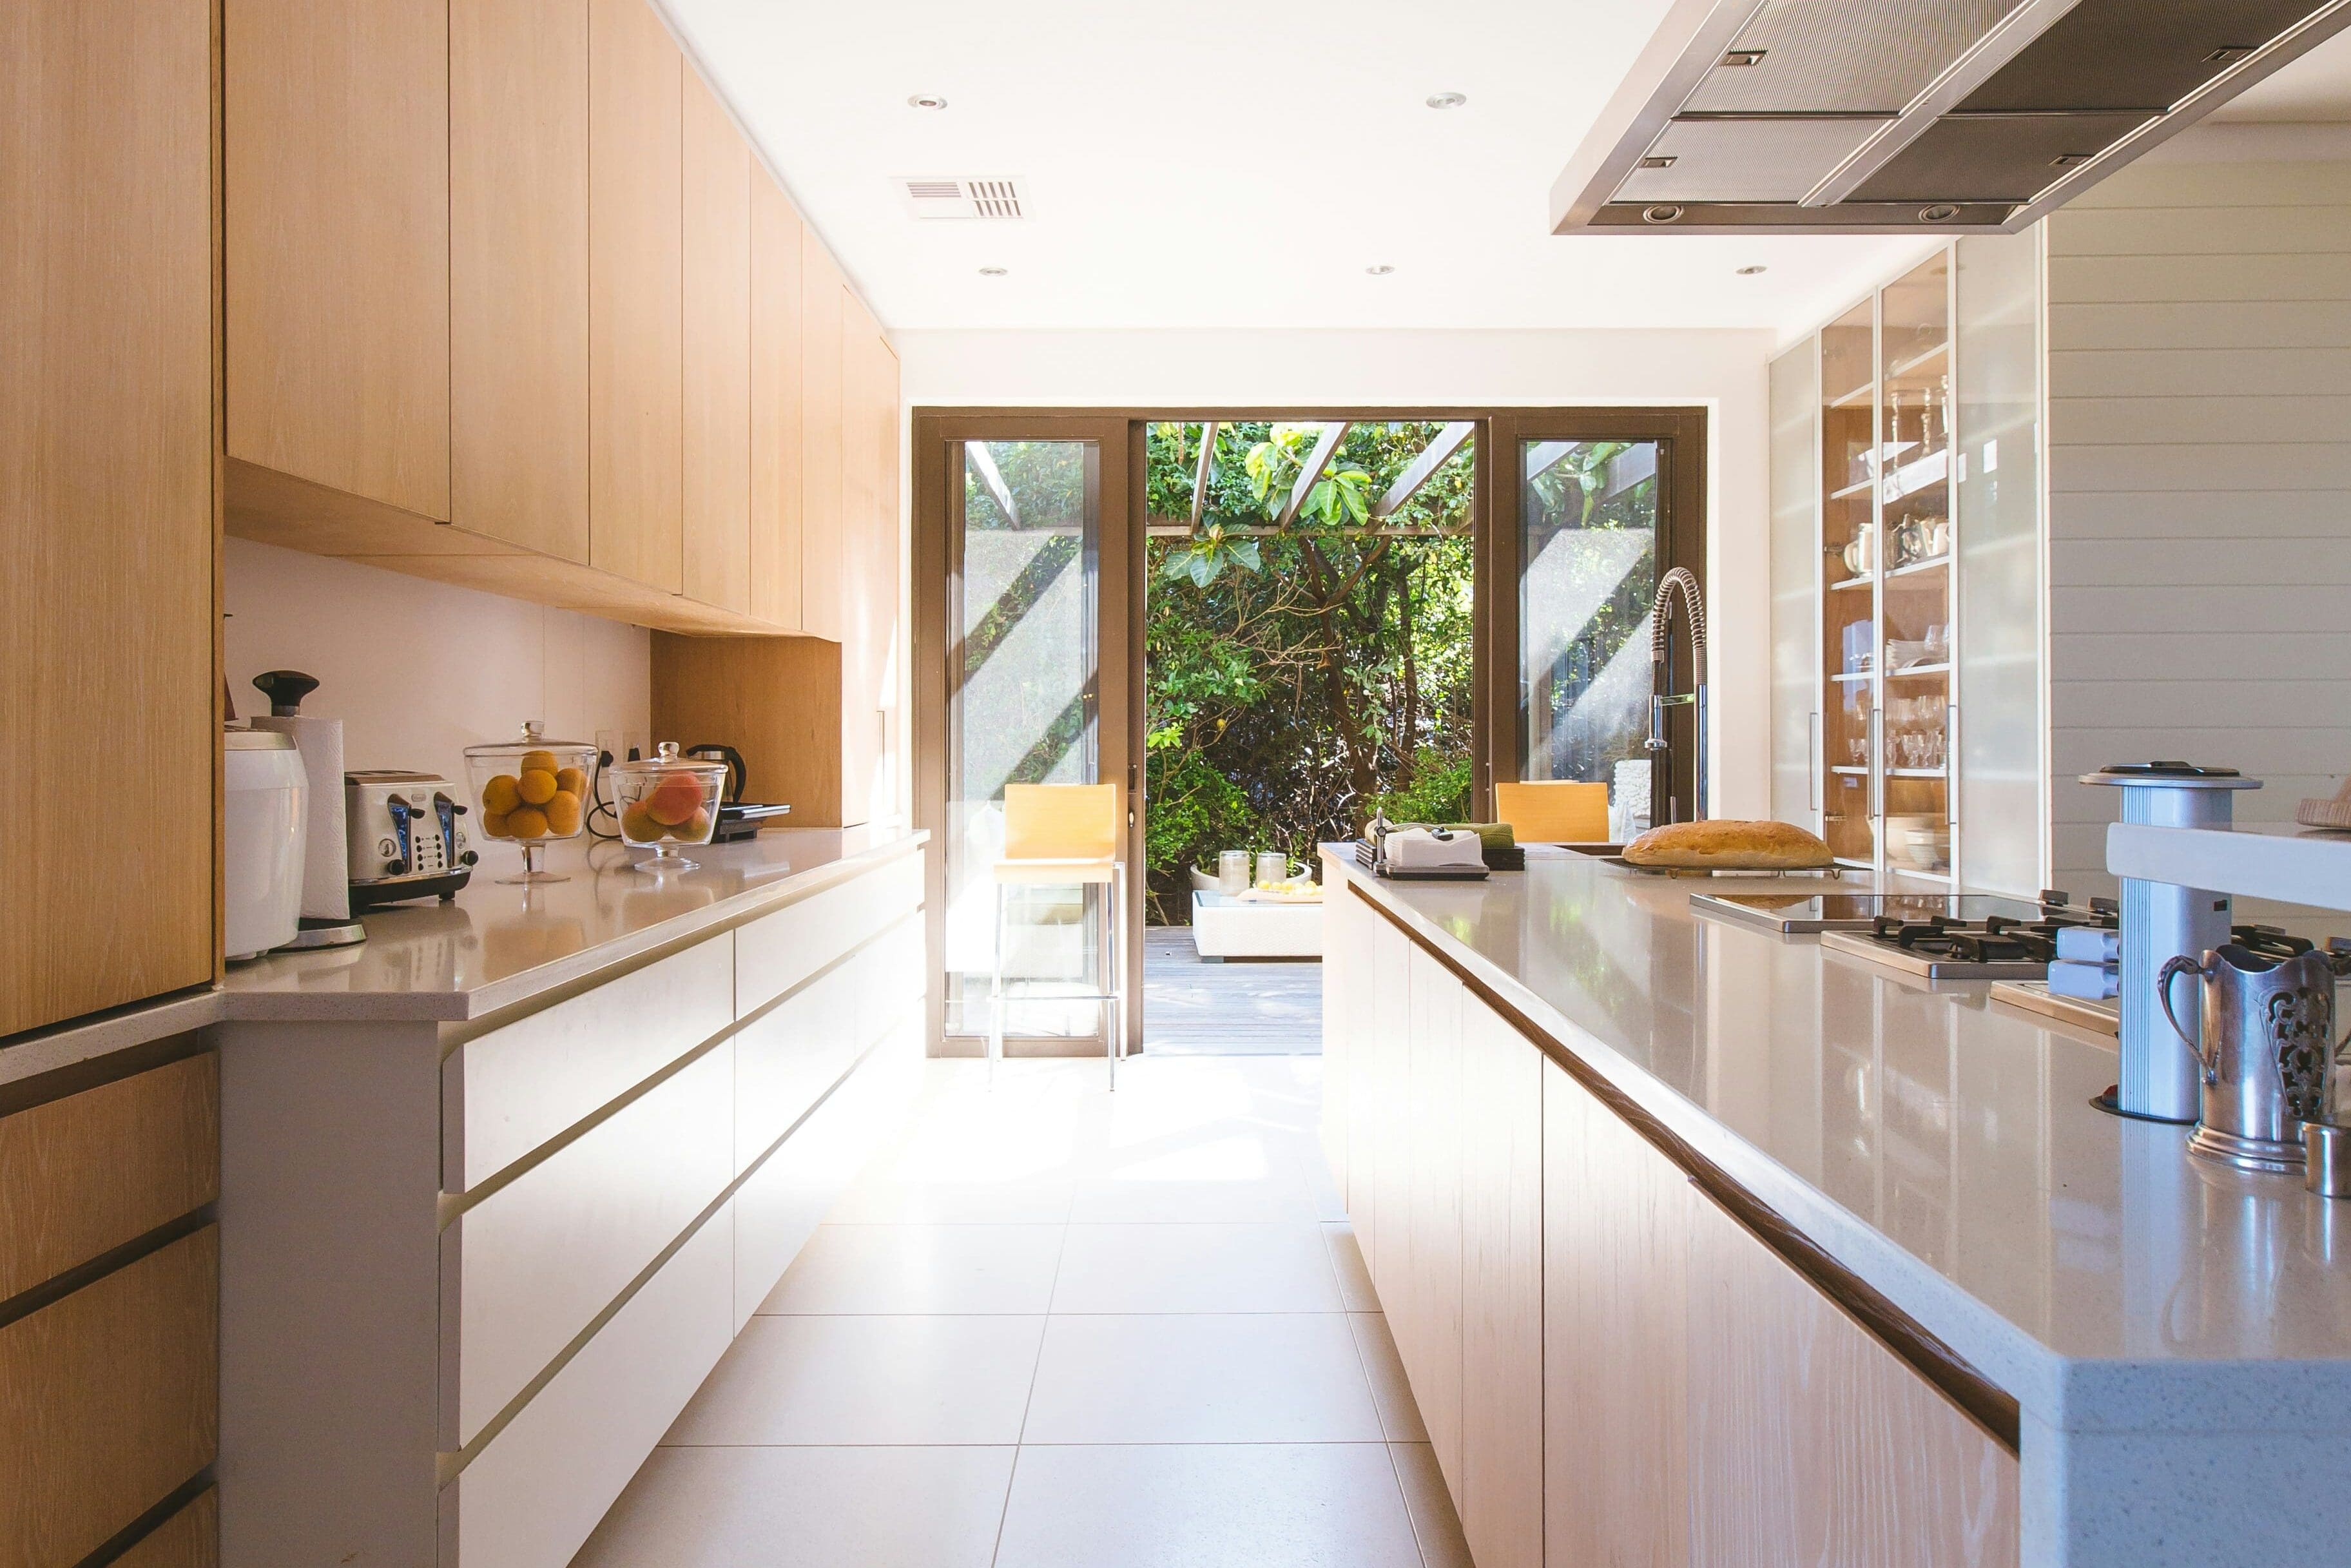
(494, 947)
(1940, 1146)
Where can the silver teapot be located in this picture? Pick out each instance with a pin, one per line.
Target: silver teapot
(2268, 1053)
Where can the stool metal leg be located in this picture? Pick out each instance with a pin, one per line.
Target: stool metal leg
(1116, 968)
(996, 994)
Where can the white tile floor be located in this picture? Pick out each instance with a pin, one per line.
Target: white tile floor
(1056, 1328)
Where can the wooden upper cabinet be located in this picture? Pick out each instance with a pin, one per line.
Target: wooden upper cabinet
(337, 141)
(718, 352)
(106, 418)
(636, 338)
(822, 299)
(776, 336)
(518, 272)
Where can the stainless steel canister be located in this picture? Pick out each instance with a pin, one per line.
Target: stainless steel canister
(2265, 1056)
(2160, 921)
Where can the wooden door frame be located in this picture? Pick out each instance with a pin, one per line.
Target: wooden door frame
(1118, 441)
(1682, 527)
(1494, 624)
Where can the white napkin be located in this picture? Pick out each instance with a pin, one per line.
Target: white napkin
(1424, 849)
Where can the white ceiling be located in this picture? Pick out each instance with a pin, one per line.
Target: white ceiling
(2316, 87)
(1211, 163)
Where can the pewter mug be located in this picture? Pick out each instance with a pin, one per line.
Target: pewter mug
(2268, 1057)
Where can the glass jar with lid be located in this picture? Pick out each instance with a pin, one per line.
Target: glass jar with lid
(667, 800)
(531, 791)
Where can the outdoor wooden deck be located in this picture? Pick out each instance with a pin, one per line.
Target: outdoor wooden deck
(1260, 1006)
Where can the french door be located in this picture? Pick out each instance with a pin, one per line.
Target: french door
(1586, 510)
(1025, 662)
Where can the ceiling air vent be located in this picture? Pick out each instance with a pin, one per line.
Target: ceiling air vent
(942, 196)
(1880, 116)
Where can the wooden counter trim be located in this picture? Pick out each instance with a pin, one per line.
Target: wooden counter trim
(1988, 1406)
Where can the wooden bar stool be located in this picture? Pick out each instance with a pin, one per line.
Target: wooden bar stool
(1064, 835)
(1554, 812)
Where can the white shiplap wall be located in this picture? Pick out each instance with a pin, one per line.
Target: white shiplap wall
(2199, 474)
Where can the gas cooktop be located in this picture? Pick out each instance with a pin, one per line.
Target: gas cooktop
(1792, 913)
(1965, 947)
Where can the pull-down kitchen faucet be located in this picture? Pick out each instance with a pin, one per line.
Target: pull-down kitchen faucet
(1661, 673)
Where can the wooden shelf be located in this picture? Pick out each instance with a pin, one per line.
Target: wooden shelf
(1912, 568)
(1918, 772)
(1861, 487)
(1852, 676)
(1861, 393)
(1851, 582)
(1936, 669)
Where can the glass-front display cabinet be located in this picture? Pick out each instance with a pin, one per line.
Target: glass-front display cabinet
(1883, 782)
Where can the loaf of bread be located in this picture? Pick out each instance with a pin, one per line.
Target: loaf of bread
(1723, 845)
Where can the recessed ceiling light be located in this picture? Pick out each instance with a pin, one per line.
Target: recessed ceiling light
(926, 100)
(1381, 270)
(1751, 271)
(993, 271)
(1448, 99)
(1940, 213)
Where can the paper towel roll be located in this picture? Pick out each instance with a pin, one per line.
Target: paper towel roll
(325, 870)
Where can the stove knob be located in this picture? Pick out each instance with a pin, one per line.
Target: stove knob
(395, 868)
(468, 858)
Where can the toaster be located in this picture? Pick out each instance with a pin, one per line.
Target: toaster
(404, 837)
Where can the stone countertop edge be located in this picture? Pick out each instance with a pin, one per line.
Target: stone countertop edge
(2068, 1393)
(86, 1039)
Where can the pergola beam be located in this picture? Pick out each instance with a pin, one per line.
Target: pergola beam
(1200, 473)
(1316, 462)
(1417, 472)
(984, 462)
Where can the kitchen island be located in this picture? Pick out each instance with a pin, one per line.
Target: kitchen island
(1704, 1245)
(499, 1186)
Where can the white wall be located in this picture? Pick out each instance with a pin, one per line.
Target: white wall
(1722, 371)
(417, 670)
(2199, 401)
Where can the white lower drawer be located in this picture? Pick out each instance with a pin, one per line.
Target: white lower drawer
(534, 1493)
(778, 1207)
(505, 1093)
(785, 1061)
(776, 952)
(524, 1270)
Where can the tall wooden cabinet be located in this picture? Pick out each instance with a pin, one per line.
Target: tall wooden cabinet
(106, 441)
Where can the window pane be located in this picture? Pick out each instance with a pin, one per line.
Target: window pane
(1589, 511)
(1023, 706)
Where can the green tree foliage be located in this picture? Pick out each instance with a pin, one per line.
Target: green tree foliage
(1302, 677)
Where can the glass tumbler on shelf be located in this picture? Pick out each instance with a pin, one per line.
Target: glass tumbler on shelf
(665, 801)
(531, 792)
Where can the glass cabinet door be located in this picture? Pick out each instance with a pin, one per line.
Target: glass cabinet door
(1914, 598)
(1848, 479)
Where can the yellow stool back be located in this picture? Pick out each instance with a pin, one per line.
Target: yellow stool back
(1557, 812)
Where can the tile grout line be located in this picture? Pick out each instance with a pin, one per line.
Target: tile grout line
(1019, 1440)
(1379, 1412)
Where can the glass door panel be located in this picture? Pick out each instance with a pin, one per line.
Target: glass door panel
(1915, 619)
(1024, 708)
(1588, 555)
(1849, 458)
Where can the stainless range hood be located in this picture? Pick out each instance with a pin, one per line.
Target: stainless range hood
(1908, 116)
